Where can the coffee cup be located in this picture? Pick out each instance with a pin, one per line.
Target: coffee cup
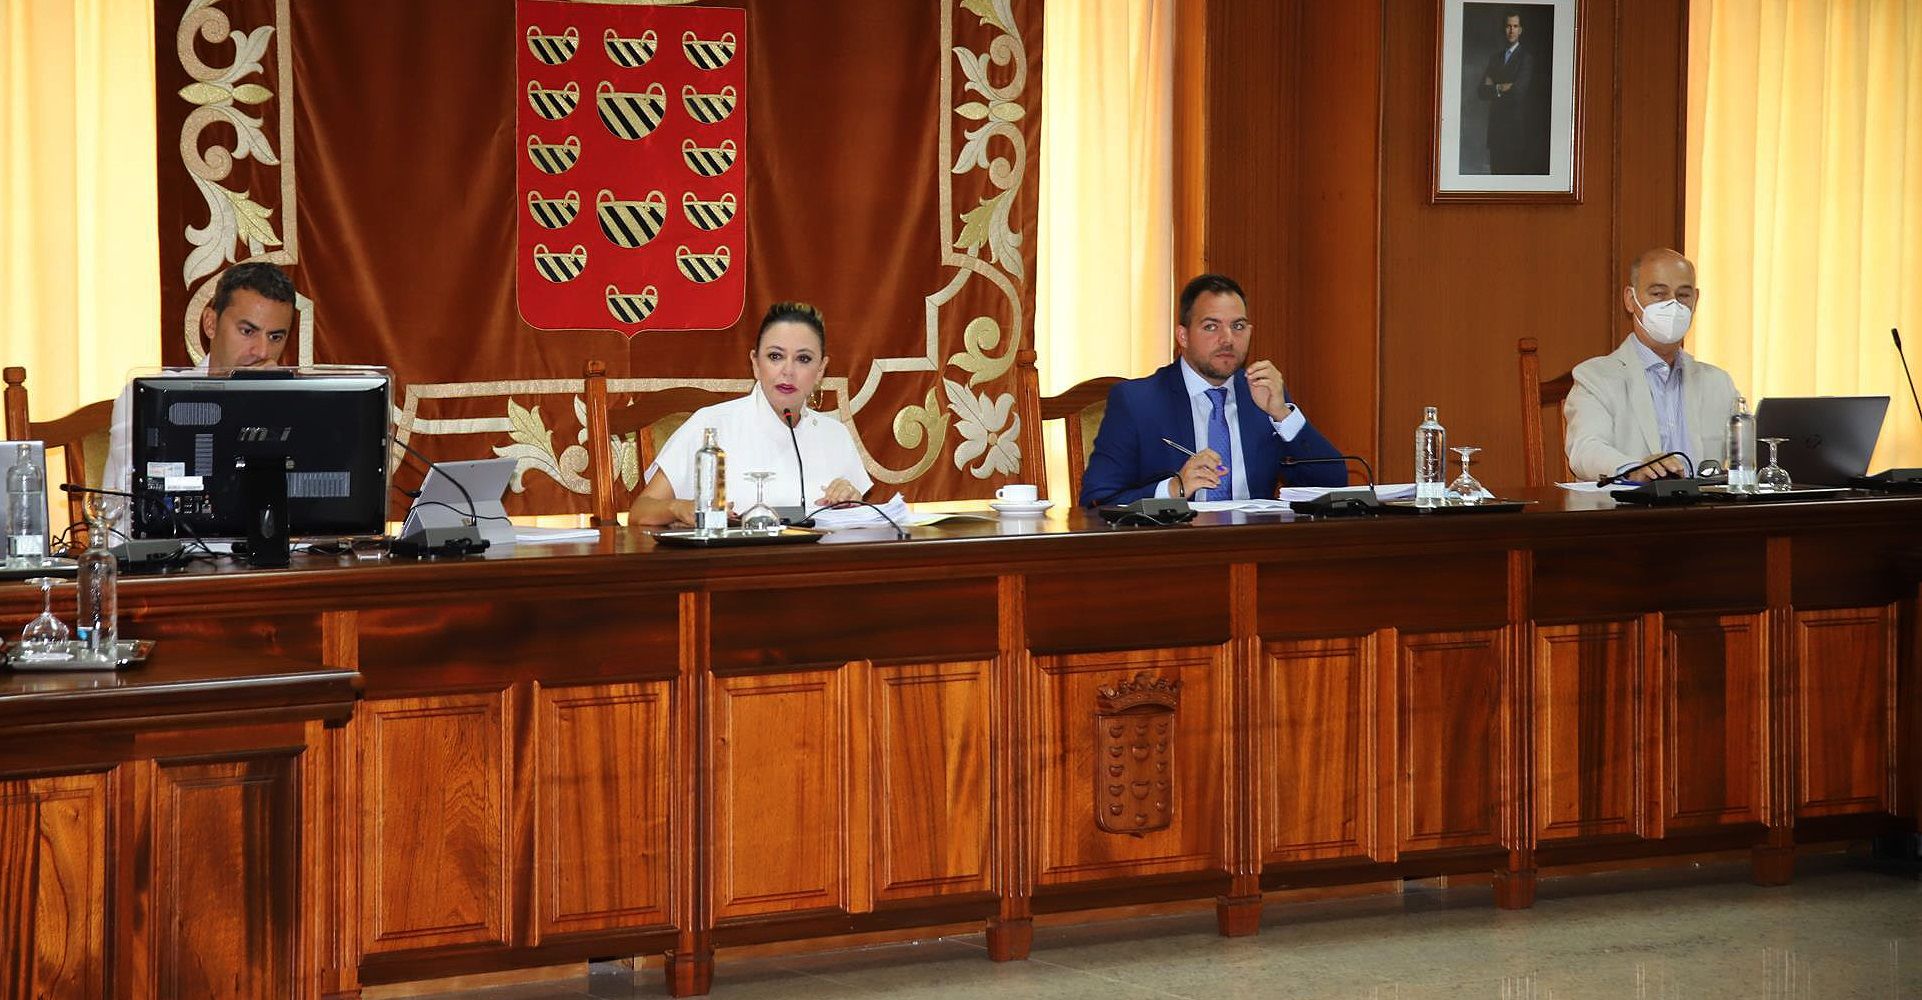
(1017, 493)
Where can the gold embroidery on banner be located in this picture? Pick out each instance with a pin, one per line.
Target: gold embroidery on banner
(988, 428)
(531, 441)
(235, 217)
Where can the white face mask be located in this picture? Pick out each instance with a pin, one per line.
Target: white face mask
(1666, 321)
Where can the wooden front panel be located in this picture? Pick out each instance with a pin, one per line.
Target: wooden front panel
(1074, 848)
(1713, 694)
(1315, 759)
(1579, 581)
(1074, 612)
(781, 826)
(1457, 591)
(1845, 726)
(226, 878)
(1450, 761)
(1588, 681)
(493, 644)
(819, 626)
(932, 795)
(53, 886)
(606, 756)
(434, 823)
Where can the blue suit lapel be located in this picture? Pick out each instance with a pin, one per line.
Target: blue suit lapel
(1177, 419)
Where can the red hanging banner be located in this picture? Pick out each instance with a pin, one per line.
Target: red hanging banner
(632, 170)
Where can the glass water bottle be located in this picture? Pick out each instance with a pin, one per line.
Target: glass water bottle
(710, 485)
(1431, 466)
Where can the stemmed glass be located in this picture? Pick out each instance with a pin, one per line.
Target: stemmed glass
(1773, 478)
(1466, 489)
(45, 633)
(760, 517)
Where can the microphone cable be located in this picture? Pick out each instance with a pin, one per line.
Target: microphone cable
(1623, 475)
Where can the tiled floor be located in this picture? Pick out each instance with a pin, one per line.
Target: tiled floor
(1844, 929)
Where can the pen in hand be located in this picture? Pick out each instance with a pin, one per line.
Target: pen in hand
(1186, 452)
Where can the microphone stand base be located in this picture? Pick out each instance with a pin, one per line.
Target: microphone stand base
(1339, 503)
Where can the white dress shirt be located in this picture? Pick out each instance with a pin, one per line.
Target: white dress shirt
(118, 472)
(1665, 391)
(1202, 409)
(755, 440)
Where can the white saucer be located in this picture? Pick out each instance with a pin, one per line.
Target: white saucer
(1029, 508)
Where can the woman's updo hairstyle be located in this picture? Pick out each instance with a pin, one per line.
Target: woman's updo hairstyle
(794, 312)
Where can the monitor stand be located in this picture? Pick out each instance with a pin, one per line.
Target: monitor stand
(264, 487)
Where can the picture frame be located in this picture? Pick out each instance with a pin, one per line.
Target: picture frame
(1507, 102)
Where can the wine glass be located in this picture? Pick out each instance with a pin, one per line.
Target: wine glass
(102, 513)
(45, 633)
(1466, 489)
(760, 517)
(1773, 478)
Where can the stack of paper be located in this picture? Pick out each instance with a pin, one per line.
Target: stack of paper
(1261, 505)
(865, 517)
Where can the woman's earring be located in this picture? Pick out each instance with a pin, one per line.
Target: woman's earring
(814, 399)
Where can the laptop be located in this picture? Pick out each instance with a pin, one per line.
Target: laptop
(442, 504)
(1829, 439)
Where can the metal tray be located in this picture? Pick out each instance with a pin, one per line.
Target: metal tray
(1721, 493)
(58, 566)
(131, 653)
(1495, 506)
(738, 536)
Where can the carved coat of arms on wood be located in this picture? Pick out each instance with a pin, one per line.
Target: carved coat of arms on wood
(1134, 721)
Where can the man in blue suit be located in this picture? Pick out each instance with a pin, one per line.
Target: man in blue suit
(1239, 422)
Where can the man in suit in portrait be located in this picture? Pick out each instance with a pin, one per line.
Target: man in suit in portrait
(1239, 422)
(1649, 396)
(1508, 81)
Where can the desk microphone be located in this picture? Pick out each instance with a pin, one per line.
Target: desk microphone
(1902, 479)
(788, 418)
(1625, 473)
(1341, 502)
(1148, 510)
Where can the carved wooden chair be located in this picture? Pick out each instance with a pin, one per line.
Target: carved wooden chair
(646, 418)
(1080, 408)
(1538, 399)
(82, 437)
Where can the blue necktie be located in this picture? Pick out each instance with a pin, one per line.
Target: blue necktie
(1218, 440)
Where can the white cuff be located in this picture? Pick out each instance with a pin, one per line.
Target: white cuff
(1290, 425)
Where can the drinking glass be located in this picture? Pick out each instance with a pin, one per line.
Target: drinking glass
(43, 634)
(1773, 478)
(1466, 489)
(760, 517)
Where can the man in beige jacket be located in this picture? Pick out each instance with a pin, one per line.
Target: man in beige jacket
(1649, 396)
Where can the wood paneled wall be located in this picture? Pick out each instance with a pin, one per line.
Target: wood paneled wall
(1316, 135)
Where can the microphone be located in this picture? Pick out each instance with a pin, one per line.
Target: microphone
(1338, 503)
(1623, 475)
(1897, 335)
(1902, 479)
(788, 418)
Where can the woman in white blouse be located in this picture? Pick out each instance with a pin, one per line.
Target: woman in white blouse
(788, 360)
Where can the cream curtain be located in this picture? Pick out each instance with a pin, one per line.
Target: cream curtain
(1104, 294)
(79, 253)
(1805, 198)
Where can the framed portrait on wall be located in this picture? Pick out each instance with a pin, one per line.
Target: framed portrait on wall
(1507, 108)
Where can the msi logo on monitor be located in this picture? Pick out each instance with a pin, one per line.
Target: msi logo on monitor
(266, 435)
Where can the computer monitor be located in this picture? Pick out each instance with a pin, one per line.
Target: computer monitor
(207, 447)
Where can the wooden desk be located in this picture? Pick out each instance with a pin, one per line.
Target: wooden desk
(597, 750)
(151, 838)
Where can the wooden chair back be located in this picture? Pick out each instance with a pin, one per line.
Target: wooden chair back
(1080, 408)
(647, 418)
(1539, 399)
(82, 436)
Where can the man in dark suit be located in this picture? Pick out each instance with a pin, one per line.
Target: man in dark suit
(1507, 82)
(1239, 422)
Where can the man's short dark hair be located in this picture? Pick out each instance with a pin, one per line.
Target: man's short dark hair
(1218, 284)
(258, 276)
